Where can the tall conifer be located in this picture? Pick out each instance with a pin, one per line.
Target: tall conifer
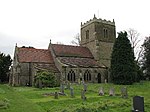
(146, 58)
(123, 68)
(5, 62)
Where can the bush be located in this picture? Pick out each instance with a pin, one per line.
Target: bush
(45, 79)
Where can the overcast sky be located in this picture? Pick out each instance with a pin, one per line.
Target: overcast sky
(35, 22)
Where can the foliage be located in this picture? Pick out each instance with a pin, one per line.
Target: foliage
(146, 58)
(4, 104)
(140, 75)
(47, 79)
(5, 62)
(123, 67)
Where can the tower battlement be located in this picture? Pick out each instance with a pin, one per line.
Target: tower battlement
(98, 35)
(98, 20)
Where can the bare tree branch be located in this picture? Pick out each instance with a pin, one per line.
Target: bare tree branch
(133, 36)
(77, 40)
(140, 54)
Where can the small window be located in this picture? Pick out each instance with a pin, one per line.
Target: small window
(87, 34)
(105, 33)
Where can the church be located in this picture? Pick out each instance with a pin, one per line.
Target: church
(89, 62)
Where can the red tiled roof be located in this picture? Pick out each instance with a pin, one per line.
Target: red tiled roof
(46, 66)
(34, 55)
(71, 51)
(80, 62)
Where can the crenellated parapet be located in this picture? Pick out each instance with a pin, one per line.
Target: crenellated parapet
(98, 20)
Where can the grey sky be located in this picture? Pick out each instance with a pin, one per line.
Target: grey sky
(35, 22)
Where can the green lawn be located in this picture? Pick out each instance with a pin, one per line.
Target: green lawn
(28, 99)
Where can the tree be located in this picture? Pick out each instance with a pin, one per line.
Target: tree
(46, 79)
(133, 36)
(123, 67)
(77, 40)
(146, 57)
(5, 62)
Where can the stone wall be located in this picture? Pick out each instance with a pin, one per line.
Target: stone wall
(25, 74)
(99, 29)
(79, 72)
(91, 28)
(104, 52)
(98, 43)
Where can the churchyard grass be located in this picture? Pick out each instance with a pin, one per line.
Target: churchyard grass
(29, 99)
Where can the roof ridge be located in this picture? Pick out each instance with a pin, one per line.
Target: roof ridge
(31, 48)
(69, 45)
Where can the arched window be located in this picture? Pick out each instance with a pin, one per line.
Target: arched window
(87, 34)
(105, 33)
(71, 76)
(87, 76)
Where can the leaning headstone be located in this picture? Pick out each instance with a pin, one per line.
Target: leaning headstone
(101, 91)
(62, 88)
(79, 81)
(71, 92)
(83, 97)
(84, 87)
(112, 92)
(124, 93)
(56, 95)
(138, 104)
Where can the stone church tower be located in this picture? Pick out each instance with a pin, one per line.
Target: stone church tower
(99, 35)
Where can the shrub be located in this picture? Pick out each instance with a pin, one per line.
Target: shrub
(45, 79)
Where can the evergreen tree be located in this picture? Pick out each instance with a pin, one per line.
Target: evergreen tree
(146, 58)
(5, 62)
(123, 67)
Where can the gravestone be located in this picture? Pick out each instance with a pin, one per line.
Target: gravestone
(124, 93)
(112, 92)
(84, 87)
(105, 81)
(138, 104)
(79, 81)
(101, 91)
(40, 84)
(62, 88)
(56, 95)
(83, 97)
(68, 85)
(71, 92)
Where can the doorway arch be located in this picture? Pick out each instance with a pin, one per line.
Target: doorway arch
(99, 78)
